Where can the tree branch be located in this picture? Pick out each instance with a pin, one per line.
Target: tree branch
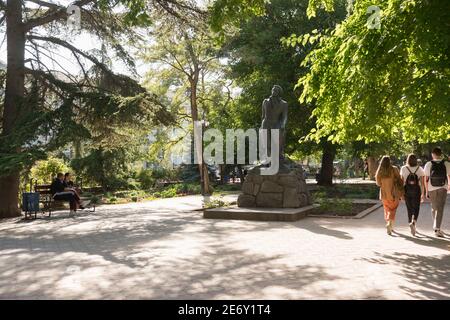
(54, 13)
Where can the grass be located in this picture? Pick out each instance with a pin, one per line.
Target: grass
(348, 191)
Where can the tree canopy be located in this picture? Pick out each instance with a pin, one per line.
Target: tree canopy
(381, 84)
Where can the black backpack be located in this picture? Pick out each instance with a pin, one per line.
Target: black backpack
(438, 174)
(412, 186)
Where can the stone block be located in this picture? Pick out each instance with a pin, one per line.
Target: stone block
(245, 200)
(270, 186)
(303, 199)
(291, 198)
(287, 189)
(256, 189)
(288, 181)
(257, 179)
(302, 186)
(269, 200)
(247, 187)
(273, 178)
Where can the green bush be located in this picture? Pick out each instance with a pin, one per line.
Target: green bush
(193, 188)
(45, 171)
(169, 193)
(146, 179)
(112, 200)
(94, 199)
(229, 187)
(216, 203)
(332, 204)
(178, 189)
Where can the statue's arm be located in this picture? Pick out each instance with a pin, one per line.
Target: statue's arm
(284, 116)
(263, 111)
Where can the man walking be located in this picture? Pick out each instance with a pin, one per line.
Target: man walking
(437, 175)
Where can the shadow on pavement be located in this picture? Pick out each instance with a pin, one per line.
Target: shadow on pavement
(429, 274)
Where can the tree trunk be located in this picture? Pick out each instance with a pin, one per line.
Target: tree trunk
(241, 173)
(372, 167)
(222, 170)
(326, 171)
(14, 93)
(202, 168)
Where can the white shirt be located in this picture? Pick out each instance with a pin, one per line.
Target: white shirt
(428, 173)
(404, 173)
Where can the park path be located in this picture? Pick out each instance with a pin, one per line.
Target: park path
(164, 250)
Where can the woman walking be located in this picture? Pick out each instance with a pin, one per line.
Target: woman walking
(413, 177)
(391, 190)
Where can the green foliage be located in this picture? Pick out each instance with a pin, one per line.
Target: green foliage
(107, 168)
(146, 178)
(332, 204)
(259, 60)
(228, 187)
(45, 171)
(112, 200)
(94, 199)
(97, 105)
(174, 190)
(226, 13)
(379, 85)
(215, 203)
(149, 177)
(348, 191)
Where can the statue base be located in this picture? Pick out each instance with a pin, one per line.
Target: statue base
(286, 189)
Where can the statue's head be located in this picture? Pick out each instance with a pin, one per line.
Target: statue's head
(277, 91)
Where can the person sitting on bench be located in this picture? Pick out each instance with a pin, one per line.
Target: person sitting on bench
(61, 192)
(68, 183)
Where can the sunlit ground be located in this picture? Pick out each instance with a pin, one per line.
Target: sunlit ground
(164, 250)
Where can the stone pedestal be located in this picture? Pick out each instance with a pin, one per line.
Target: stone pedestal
(287, 189)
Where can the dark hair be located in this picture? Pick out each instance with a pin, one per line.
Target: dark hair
(60, 174)
(67, 174)
(437, 151)
(412, 160)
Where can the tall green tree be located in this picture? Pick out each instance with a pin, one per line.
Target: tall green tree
(184, 59)
(379, 85)
(45, 108)
(260, 59)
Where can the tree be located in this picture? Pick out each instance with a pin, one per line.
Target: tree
(45, 108)
(185, 57)
(380, 85)
(259, 60)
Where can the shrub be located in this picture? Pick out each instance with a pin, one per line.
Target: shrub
(94, 199)
(45, 170)
(146, 179)
(169, 193)
(112, 200)
(215, 203)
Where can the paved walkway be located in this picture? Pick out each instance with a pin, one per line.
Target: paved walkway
(164, 250)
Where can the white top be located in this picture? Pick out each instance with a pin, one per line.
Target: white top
(428, 173)
(404, 173)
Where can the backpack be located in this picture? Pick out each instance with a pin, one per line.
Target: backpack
(412, 186)
(438, 174)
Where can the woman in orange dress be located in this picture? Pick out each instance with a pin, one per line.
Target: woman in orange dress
(391, 188)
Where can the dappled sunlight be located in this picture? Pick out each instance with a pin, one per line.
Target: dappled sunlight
(425, 277)
(158, 251)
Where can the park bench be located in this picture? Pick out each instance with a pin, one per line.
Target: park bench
(47, 201)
